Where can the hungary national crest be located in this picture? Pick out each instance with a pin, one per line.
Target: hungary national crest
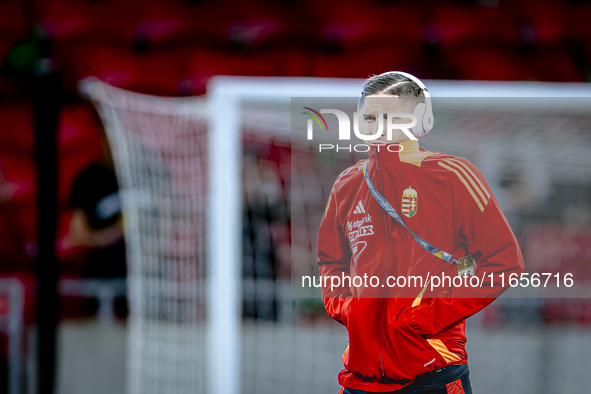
(410, 202)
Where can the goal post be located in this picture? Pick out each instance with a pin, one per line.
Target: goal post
(225, 98)
(224, 238)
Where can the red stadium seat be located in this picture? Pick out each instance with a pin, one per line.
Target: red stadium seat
(266, 24)
(21, 173)
(182, 70)
(353, 24)
(543, 21)
(166, 22)
(483, 63)
(280, 62)
(463, 26)
(16, 133)
(7, 249)
(20, 222)
(78, 130)
(19, 177)
(549, 38)
(364, 62)
(75, 20)
(492, 64)
(156, 72)
(207, 24)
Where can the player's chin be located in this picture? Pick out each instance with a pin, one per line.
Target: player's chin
(381, 140)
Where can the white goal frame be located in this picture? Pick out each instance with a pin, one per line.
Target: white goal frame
(225, 95)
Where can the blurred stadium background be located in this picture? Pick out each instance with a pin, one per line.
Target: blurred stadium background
(49, 135)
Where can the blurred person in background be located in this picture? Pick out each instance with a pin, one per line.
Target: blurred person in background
(264, 208)
(398, 343)
(96, 221)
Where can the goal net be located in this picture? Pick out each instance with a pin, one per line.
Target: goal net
(159, 146)
(222, 204)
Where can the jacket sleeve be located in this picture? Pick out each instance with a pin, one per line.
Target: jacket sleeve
(334, 257)
(481, 224)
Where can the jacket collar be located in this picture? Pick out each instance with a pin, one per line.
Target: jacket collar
(391, 154)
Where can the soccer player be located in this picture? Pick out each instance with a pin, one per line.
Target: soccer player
(405, 338)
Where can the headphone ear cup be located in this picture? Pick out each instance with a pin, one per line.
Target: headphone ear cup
(428, 120)
(419, 112)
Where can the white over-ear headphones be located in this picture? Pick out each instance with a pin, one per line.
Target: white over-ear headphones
(423, 111)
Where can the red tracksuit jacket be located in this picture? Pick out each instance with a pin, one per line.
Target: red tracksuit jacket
(395, 336)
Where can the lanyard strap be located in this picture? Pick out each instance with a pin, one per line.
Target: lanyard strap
(392, 212)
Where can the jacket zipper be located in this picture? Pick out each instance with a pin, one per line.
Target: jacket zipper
(382, 300)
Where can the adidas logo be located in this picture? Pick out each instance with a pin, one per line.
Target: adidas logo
(359, 208)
